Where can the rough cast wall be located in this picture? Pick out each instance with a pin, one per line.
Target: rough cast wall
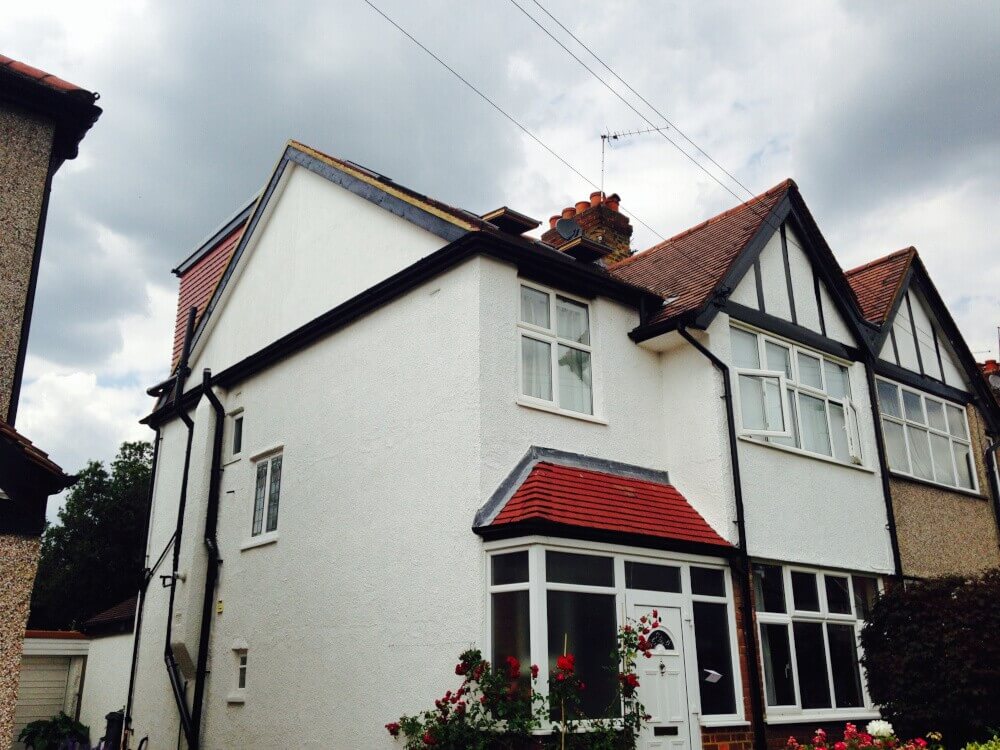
(943, 532)
(105, 686)
(18, 562)
(24, 164)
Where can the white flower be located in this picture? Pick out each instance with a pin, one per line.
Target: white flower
(880, 728)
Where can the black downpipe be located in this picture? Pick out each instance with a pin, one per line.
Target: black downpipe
(746, 608)
(890, 514)
(211, 543)
(173, 669)
(991, 470)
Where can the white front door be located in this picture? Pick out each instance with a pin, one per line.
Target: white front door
(663, 681)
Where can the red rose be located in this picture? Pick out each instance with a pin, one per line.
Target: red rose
(631, 680)
(566, 663)
(429, 739)
(534, 670)
(655, 613)
(393, 728)
(513, 667)
(560, 677)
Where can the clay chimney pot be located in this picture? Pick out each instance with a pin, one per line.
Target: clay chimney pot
(569, 212)
(612, 201)
(582, 206)
(553, 220)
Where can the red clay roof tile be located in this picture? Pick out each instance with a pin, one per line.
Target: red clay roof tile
(41, 76)
(876, 284)
(33, 452)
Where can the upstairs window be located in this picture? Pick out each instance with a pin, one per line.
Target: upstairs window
(796, 397)
(926, 437)
(236, 434)
(556, 351)
(267, 493)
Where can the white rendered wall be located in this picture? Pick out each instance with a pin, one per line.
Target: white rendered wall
(772, 276)
(105, 687)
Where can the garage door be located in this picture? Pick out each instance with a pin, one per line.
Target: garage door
(42, 691)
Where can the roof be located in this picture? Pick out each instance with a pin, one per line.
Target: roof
(688, 268)
(31, 452)
(71, 106)
(119, 618)
(877, 284)
(64, 635)
(556, 489)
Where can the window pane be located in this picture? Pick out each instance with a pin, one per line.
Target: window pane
(510, 628)
(920, 452)
(804, 591)
(838, 597)
(809, 371)
(652, 577)
(844, 664)
(838, 432)
(768, 588)
(941, 456)
(760, 403)
(895, 448)
(745, 353)
(509, 568)
(777, 657)
(274, 495)
(711, 637)
(888, 399)
(963, 460)
(708, 581)
(865, 594)
(778, 358)
(585, 625)
(935, 415)
(572, 321)
(574, 380)
(838, 384)
(956, 423)
(793, 423)
(810, 658)
(258, 497)
(237, 435)
(586, 570)
(536, 368)
(534, 307)
(815, 430)
(913, 407)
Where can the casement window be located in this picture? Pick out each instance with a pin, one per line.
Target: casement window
(241, 670)
(545, 600)
(239, 690)
(926, 437)
(792, 396)
(235, 434)
(808, 624)
(556, 367)
(267, 493)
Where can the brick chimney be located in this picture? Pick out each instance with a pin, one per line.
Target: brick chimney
(601, 222)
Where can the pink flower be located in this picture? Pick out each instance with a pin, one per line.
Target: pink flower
(393, 728)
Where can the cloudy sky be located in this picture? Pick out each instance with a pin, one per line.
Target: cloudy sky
(886, 114)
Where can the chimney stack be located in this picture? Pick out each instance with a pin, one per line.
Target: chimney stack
(601, 222)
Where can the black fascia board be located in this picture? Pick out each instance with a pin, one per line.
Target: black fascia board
(796, 333)
(926, 383)
(543, 528)
(538, 263)
(241, 216)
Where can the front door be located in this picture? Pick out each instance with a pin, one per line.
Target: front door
(663, 681)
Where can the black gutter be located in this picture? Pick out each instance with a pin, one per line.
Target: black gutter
(212, 565)
(883, 460)
(743, 570)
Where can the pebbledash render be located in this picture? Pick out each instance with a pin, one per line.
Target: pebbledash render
(396, 429)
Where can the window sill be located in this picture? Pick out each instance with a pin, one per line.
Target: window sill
(716, 723)
(232, 460)
(971, 494)
(260, 540)
(841, 714)
(237, 697)
(542, 406)
(807, 454)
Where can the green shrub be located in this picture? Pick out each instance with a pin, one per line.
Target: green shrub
(993, 744)
(54, 733)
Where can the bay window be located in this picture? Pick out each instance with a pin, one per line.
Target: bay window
(926, 437)
(808, 623)
(556, 368)
(791, 396)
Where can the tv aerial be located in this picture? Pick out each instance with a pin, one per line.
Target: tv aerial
(617, 136)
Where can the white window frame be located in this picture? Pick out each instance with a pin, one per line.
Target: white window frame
(266, 457)
(241, 662)
(791, 387)
(903, 421)
(789, 713)
(551, 337)
(538, 608)
(232, 454)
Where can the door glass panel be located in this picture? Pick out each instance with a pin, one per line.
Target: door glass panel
(804, 592)
(572, 321)
(534, 307)
(838, 384)
(769, 588)
(888, 399)
(653, 577)
(809, 371)
(935, 415)
(844, 664)
(963, 460)
(913, 407)
(941, 456)
(810, 659)
(575, 380)
(920, 452)
(585, 625)
(777, 657)
(815, 430)
(956, 422)
(585, 570)
(895, 447)
(745, 353)
(838, 597)
(711, 634)
(510, 633)
(536, 368)
(510, 568)
(708, 581)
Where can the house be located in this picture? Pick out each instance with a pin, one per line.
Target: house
(109, 662)
(43, 119)
(52, 673)
(395, 429)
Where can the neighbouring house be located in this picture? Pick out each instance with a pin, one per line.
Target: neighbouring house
(991, 371)
(109, 662)
(395, 429)
(52, 675)
(43, 119)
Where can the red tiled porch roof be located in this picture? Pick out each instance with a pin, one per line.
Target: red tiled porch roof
(876, 284)
(597, 500)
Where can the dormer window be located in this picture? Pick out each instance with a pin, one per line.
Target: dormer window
(556, 368)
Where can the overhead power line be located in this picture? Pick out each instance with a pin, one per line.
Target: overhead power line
(499, 109)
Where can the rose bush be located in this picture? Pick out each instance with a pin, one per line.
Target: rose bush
(878, 735)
